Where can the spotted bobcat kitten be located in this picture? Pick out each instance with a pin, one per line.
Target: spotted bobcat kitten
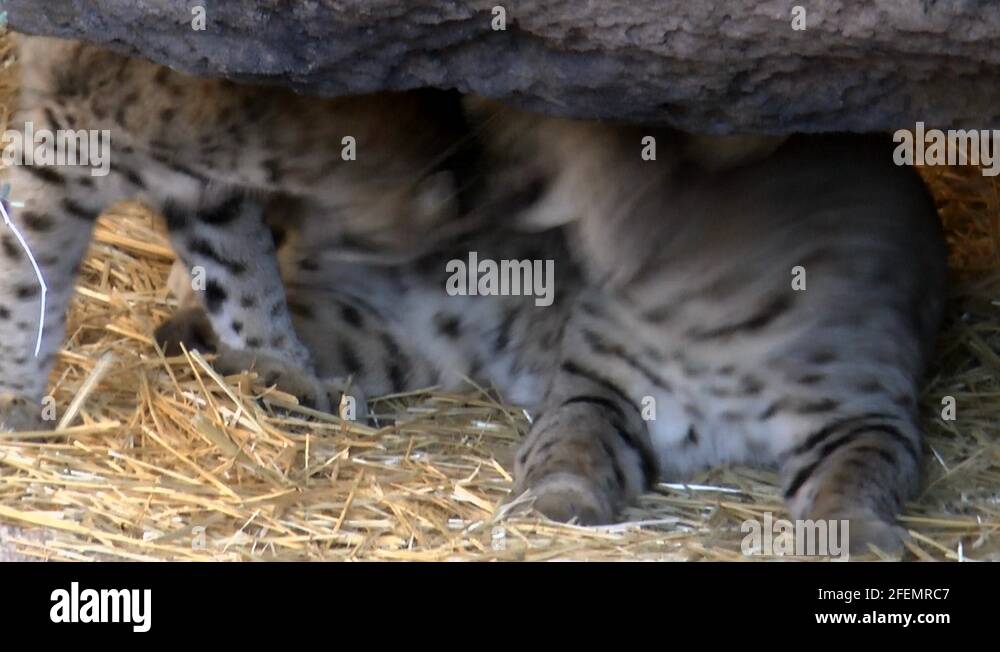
(677, 339)
(691, 303)
(376, 168)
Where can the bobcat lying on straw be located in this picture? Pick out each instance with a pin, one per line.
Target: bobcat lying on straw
(777, 309)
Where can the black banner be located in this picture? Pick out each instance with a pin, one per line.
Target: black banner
(246, 601)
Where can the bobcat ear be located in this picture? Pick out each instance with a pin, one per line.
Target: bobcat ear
(436, 199)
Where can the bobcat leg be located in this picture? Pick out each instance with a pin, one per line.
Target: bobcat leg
(860, 469)
(54, 213)
(589, 454)
(229, 253)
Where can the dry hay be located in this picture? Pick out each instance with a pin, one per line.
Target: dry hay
(165, 460)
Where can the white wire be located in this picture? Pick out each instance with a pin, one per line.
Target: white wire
(38, 273)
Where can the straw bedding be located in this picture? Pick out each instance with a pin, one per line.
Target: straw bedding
(163, 459)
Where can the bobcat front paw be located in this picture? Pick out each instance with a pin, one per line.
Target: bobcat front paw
(565, 497)
(21, 415)
(347, 400)
(865, 527)
(887, 537)
(577, 465)
(272, 370)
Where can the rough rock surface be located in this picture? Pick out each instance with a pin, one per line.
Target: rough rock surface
(705, 65)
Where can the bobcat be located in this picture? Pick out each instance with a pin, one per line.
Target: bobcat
(181, 144)
(777, 309)
(674, 288)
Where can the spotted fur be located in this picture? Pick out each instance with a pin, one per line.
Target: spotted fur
(673, 277)
(675, 290)
(197, 150)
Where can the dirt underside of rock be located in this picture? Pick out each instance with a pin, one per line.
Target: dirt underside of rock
(721, 67)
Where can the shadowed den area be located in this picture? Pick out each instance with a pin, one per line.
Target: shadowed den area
(162, 457)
